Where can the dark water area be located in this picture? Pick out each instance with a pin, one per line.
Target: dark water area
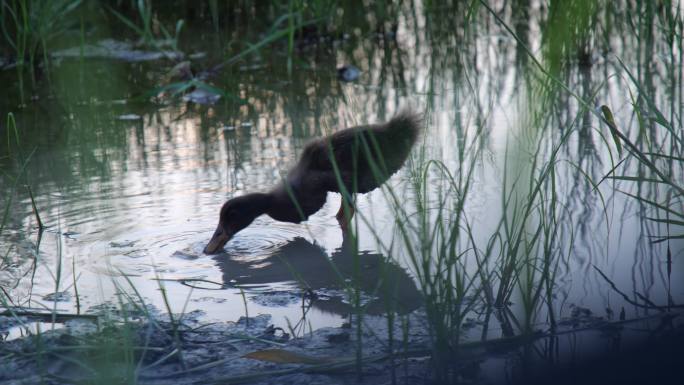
(654, 361)
(130, 147)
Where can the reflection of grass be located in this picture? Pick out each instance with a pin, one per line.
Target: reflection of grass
(28, 27)
(669, 208)
(144, 32)
(456, 271)
(16, 179)
(11, 128)
(520, 261)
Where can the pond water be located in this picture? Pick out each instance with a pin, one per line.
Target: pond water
(130, 190)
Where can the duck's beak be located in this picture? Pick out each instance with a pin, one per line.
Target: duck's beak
(220, 238)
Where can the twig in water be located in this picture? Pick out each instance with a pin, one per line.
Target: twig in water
(57, 317)
(649, 305)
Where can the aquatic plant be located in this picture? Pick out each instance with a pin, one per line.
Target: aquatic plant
(29, 27)
(145, 31)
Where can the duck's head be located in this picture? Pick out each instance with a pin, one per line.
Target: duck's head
(236, 214)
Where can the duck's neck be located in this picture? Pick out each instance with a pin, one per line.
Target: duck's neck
(257, 203)
(288, 204)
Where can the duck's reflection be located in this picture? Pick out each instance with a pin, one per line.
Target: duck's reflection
(387, 284)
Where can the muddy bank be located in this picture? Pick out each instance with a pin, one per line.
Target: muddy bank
(160, 349)
(251, 350)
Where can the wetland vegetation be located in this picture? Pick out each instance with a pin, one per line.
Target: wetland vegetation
(535, 234)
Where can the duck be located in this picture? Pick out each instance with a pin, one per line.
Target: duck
(351, 161)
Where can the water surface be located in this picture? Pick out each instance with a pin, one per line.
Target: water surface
(130, 190)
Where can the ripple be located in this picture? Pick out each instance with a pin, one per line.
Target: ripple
(264, 238)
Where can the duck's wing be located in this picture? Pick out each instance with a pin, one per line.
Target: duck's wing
(369, 147)
(324, 159)
(353, 156)
(317, 154)
(350, 149)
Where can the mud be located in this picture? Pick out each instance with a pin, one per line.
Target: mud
(191, 352)
(148, 347)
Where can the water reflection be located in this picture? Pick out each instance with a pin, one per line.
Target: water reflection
(309, 265)
(159, 180)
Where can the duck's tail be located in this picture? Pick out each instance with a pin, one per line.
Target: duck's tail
(408, 123)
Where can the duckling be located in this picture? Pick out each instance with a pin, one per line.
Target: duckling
(352, 161)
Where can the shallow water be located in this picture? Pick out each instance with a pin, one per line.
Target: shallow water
(130, 191)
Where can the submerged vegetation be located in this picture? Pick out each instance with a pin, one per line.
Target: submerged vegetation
(546, 198)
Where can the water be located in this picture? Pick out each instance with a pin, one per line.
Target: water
(28, 329)
(152, 213)
(131, 202)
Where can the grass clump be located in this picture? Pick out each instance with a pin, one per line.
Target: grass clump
(29, 27)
